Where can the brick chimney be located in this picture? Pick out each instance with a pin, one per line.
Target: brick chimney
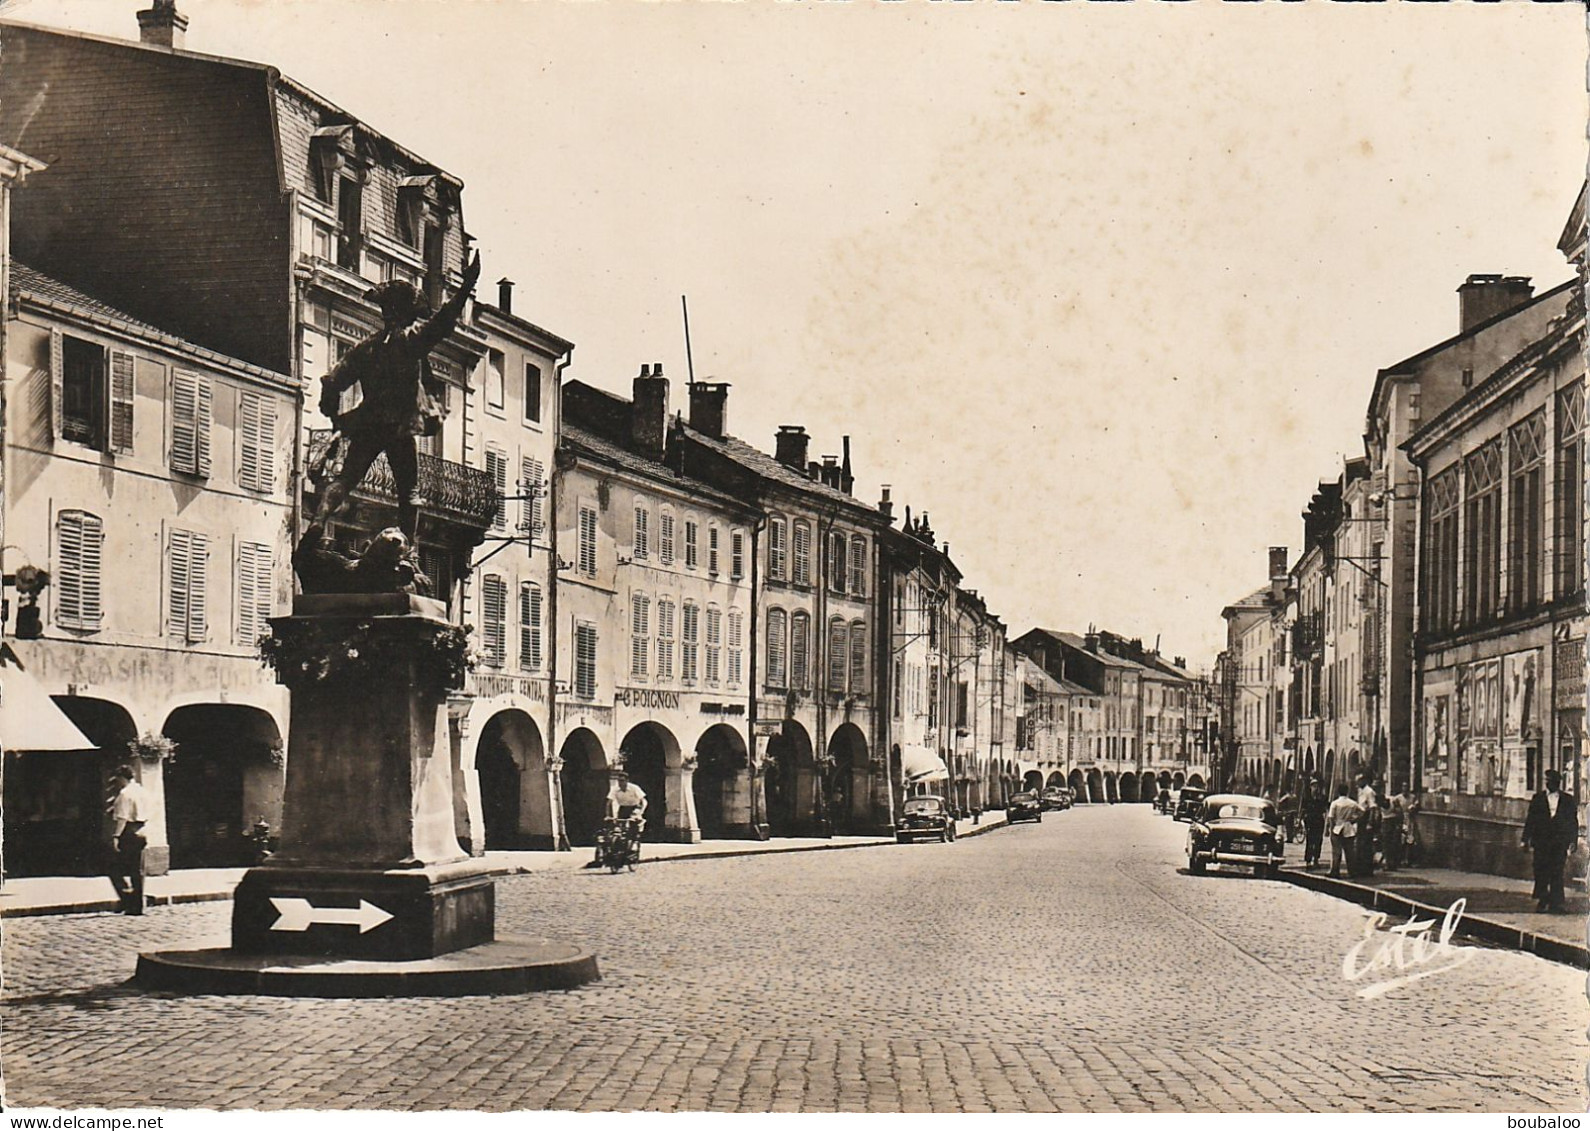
(162, 25)
(708, 408)
(1483, 297)
(830, 471)
(789, 446)
(885, 505)
(847, 481)
(1278, 572)
(505, 295)
(649, 412)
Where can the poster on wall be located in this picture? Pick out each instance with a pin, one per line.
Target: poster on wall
(1479, 727)
(1520, 683)
(1437, 745)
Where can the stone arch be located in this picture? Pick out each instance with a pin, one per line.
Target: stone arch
(651, 755)
(584, 784)
(1127, 785)
(1095, 785)
(1178, 779)
(791, 782)
(1195, 781)
(847, 784)
(227, 775)
(721, 783)
(1055, 778)
(1032, 779)
(1079, 786)
(54, 804)
(515, 796)
(1111, 787)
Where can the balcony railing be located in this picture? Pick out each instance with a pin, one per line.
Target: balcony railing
(454, 491)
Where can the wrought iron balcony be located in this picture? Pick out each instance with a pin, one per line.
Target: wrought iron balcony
(451, 491)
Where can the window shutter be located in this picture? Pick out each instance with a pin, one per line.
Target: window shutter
(803, 554)
(712, 549)
(57, 381)
(585, 661)
(494, 612)
(530, 489)
(80, 537)
(689, 638)
(775, 549)
(714, 643)
(530, 626)
(736, 645)
(858, 565)
(737, 554)
(587, 554)
(665, 639)
(267, 444)
(179, 571)
(184, 418)
(836, 655)
(858, 657)
(639, 633)
(800, 649)
(665, 538)
(776, 624)
(642, 539)
(122, 390)
(497, 471)
(198, 576)
(247, 598)
(201, 426)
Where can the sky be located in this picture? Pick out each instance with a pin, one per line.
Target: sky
(1103, 288)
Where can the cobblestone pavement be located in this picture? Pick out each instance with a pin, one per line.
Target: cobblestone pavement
(1062, 966)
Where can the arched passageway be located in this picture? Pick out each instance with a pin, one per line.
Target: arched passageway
(1032, 779)
(225, 777)
(1079, 786)
(515, 798)
(584, 784)
(790, 778)
(722, 784)
(847, 785)
(1095, 786)
(649, 752)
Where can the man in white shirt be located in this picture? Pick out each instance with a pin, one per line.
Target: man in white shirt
(626, 801)
(1342, 820)
(129, 809)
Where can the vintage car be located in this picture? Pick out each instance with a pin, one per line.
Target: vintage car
(1189, 803)
(1234, 828)
(925, 817)
(1055, 797)
(1023, 806)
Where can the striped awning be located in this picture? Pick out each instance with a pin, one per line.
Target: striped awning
(919, 764)
(29, 718)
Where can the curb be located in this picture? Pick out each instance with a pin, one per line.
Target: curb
(1486, 930)
(91, 907)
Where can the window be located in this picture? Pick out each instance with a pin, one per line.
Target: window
(714, 643)
(639, 633)
(777, 645)
(737, 554)
(255, 566)
(190, 424)
(495, 361)
(532, 487)
(187, 570)
(836, 561)
(497, 472)
(584, 660)
(587, 544)
(529, 626)
(79, 541)
(736, 647)
(689, 641)
(256, 465)
(1442, 500)
(712, 550)
(777, 550)
(858, 657)
(532, 393)
(802, 574)
(692, 550)
(895, 689)
(1526, 513)
(665, 538)
(800, 636)
(86, 407)
(665, 639)
(350, 220)
(1482, 475)
(642, 540)
(933, 699)
(494, 620)
(1569, 539)
(838, 651)
(858, 565)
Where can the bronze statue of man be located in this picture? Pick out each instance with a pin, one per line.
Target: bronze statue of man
(402, 397)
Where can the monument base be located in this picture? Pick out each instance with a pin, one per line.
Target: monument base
(390, 915)
(506, 966)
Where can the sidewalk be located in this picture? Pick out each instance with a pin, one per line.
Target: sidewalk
(1497, 909)
(64, 895)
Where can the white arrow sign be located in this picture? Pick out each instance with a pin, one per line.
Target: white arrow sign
(298, 914)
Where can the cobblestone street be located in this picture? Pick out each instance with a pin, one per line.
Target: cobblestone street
(1061, 966)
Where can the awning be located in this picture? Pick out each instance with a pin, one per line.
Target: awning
(29, 718)
(918, 764)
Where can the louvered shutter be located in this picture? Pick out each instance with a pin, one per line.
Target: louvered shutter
(122, 391)
(803, 553)
(201, 426)
(494, 612)
(267, 445)
(93, 545)
(247, 597)
(530, 627)
(858, 657)
(184, 415)
(198, 589)
(665, 538)
(639, 634)
(585, 661)
(837, 650)
(587, 562)
(530, 504)
(179, 558)
(800, 635)
(57, 381)
(69, 570)
(497, 471)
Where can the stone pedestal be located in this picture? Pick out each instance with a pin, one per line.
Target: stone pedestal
(369, 871)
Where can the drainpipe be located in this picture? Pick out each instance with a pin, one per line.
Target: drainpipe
(560, 829)
(758, 827)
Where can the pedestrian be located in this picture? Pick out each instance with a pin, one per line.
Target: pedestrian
(129, 809)
(1368, 825)
(1391, 820)
(1550, 829)
(1343, 820)
(1314, 806)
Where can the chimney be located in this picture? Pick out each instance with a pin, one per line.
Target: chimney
(885, 507)
(505, 295)
(707, 408)
(1091, 641)
(1278, 569)
(789, 446)
(649, 412)
(161, 25)
(847, 481)
(830, 471)
(1483, 297)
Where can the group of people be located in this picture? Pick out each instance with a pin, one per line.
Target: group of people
(1368, 827)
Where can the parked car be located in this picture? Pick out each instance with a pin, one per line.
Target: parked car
(1055, 797)
(1189, 803)
(1234, 828)
(1023, 807)
(925, 817)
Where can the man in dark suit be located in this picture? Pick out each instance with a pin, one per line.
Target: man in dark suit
(1551, 828)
